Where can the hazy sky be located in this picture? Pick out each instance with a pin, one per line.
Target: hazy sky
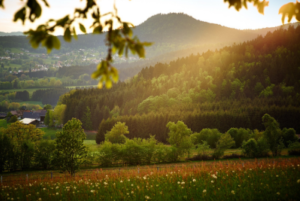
(137, 11)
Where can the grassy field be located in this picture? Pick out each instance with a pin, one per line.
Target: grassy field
(265, 179)
(3, 123)
(32, 102)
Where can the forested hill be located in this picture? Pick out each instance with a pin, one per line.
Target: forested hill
(175, 31)
(232, 87)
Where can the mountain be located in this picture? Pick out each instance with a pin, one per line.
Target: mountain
(183, 29)
(17, 33)
(169, 32)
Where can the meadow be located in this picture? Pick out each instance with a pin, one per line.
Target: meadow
(264, 179)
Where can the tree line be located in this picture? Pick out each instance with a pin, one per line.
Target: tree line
(264, 70)
(23, 148)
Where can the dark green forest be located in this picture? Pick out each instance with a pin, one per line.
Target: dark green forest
(230, 87)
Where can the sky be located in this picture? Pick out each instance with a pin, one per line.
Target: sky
(138, 11)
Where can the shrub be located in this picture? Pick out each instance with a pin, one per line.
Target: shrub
(250, 148)
(179, 138)
(239, 135)
(255, 149)
(116, 134)
(109, 153)
(294, 149)
(225, 142)
(44, 154)
(211, 136)
(289, 136)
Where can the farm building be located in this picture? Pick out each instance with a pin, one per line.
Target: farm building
(28, 121)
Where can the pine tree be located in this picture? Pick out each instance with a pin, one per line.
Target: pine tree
(87, 122)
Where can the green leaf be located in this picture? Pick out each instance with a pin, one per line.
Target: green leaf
(98, 29)
(1, 3)
(82, 28)
(74, 33)
(67, 35)
(61, 22)
(108, 84)
(35, 9)
(21, 14)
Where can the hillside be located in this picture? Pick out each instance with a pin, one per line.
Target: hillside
(169, 32)
(232, 87)
(174, 36)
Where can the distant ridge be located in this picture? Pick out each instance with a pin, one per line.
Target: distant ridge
(17, 33)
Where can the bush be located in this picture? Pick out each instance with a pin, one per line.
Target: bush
(109, 153)
(225, 142)
(160, 153)
(211, 136)
(239, 135)
(117, 133)
(250, 148)
(135, 151)
(294, 149)
(255, 149)
(13, 119)
(44, 154)
(289, 136)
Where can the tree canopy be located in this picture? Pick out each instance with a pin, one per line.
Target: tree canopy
(117, 40)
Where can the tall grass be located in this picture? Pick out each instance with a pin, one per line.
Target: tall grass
(265, 179)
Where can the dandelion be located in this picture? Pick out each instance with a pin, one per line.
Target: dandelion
(278, 193)
(233, 192)
(44, 188)
(104, 183)
(204, 191)
(182, 183)
(57, 193)
(40, 198)
(92, 191)
(277, 176)
(298, 181)
(132, 192)
(147, 197)
(121, 181)
(194, 180)
(214, 176)
(212, 181)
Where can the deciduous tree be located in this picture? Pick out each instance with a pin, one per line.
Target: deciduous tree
(70, 150)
